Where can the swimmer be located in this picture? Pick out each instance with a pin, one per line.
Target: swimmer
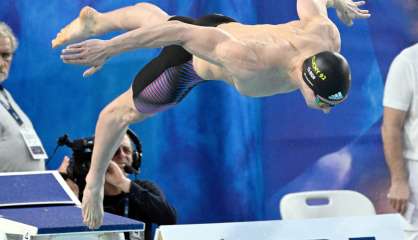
(257, 60)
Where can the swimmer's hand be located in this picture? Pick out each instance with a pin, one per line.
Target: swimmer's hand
(347, 10)
(93, 53)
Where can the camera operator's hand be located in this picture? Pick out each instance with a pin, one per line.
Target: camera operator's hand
(63, 170)
(64, 165)
(116, 177)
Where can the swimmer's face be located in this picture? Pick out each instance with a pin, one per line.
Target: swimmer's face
(6, 55)
(312, 100)
(323, 105)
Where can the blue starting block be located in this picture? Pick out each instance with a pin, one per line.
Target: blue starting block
(40, 205)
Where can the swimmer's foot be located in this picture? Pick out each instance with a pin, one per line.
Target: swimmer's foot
(86, 25)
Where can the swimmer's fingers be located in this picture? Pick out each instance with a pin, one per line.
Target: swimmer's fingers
(360, 3)
(348, 10)
(363, 12)
(92, 71)
(78, 45)
(74, 56)
(360, 13)
(363, 15)
(69, 54)
(74, 60)
(69, 51)
(347, 17)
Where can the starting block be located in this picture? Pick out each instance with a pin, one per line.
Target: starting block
(40, 205)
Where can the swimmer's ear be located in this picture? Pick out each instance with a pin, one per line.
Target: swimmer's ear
(92, 70)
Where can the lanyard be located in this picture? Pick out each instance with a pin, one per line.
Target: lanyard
(126, 206)
(10, 108)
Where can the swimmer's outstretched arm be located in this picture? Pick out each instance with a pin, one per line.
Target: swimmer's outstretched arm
(209, 43)
(347, 10)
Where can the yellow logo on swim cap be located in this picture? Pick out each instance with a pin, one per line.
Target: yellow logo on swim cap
(316, 70)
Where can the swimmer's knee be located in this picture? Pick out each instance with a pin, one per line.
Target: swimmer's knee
(151, 8)
(145, 5)
(121, 114)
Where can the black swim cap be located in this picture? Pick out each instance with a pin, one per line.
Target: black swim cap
(328, 75)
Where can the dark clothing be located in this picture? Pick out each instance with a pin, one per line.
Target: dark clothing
(145, 202)
(167, 79)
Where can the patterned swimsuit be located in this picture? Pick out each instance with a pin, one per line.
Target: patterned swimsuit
(167, 79)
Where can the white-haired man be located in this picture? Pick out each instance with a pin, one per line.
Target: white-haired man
(20, 147)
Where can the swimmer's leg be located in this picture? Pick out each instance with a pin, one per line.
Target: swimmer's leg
(111, 127)
(90, 22)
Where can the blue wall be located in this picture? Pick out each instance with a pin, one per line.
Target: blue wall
(219, 156)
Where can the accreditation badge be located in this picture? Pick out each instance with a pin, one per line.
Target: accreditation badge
(136, 235)
(33, 143)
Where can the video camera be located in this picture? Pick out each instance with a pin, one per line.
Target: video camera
(80, 160)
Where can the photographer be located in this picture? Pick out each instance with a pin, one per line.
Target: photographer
(140, 200)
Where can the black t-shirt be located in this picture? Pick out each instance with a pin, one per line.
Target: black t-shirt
(145, 202)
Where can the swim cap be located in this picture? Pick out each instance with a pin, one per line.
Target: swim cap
(328, 75)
